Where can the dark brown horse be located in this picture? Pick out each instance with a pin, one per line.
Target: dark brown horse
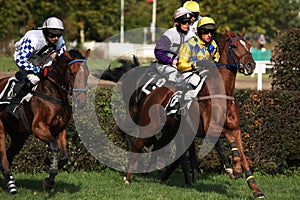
(45, 115)
(215, 113)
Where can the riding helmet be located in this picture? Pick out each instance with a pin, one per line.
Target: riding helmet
(182, 14)
(192, 6)
(53, 25)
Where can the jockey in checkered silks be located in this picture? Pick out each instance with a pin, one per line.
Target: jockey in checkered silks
(33, 54)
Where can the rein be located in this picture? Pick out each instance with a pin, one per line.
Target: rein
(216, 96)
(64, 88)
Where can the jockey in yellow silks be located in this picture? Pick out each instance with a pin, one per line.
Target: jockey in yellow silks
(191, 56)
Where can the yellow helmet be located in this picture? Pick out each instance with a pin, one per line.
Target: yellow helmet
(192, 6)
(206, 23)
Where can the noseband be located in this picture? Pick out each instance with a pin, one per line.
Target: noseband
(231, 55)
(78, 90)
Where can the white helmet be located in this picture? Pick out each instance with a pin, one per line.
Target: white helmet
(182, 13)
(53, 25)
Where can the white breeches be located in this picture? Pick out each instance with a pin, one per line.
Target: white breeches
(190, 78)
(169, 71)
(34, 79)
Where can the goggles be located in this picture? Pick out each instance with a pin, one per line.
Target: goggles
(207, 31)
(51, 35)
(185, 21)
(195, 14)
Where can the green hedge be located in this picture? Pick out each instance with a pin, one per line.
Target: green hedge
(269, 124)
(286, 54)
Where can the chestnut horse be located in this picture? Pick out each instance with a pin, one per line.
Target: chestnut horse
(45, 115)
(213, 114)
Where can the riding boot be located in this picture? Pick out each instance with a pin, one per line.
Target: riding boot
(21, 90)
(183, 101)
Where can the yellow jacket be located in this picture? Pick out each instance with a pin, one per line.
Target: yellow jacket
(194, 50)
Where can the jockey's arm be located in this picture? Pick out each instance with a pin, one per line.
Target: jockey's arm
(22, 58)
(184, 63)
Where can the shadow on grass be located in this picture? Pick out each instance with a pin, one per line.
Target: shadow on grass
(204, 183)
(37, 186)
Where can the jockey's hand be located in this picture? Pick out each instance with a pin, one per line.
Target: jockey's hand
(205, 64)
(43, 72)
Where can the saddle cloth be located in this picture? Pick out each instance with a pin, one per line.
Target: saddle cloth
(8, 93)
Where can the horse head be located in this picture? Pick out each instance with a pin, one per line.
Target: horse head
(78, 75)
(236, 53)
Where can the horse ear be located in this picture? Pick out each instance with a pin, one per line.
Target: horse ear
(227, 33)
(87, 53)
(243, 32)
(66, 53)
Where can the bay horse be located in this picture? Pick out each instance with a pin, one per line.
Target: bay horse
(46, 114)
(213, 114)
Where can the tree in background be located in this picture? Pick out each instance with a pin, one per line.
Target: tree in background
(100, 20)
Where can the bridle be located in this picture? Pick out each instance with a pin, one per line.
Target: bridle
(233, 56)
(66, 89)
(77, 90)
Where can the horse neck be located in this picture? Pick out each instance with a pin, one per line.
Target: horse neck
(228, 73)
(58, 79)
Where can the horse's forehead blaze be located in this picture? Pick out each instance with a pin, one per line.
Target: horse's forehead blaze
(244, 44)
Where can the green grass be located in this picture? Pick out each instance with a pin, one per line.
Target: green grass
(109, 185)
(7, 64)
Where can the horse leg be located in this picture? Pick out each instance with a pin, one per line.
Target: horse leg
(185, 169)
(6, 169)
(49, 182)
(170, 170)
(41, 130)
(136, 148)
(193, 161)
(220, 149)
(249, 176)
(61, 140)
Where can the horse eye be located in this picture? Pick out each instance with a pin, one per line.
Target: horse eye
(233, 46)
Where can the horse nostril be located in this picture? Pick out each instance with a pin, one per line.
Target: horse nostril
(249, 66)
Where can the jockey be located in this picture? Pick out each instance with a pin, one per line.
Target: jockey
(194, 7)
(196, 51)
(32, 54)
(167, 47)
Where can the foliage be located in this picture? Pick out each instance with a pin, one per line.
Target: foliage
(101, 19)
(286, 55)
(270, 127)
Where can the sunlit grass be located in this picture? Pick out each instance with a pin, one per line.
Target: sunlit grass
(109, 185)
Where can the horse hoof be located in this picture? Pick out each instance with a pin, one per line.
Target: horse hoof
(126, 181)
(48, 184)
(259, 195)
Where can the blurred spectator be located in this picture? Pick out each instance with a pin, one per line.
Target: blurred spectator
(261, 42)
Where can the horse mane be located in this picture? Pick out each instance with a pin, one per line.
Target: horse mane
(75, 54)
(225, 39)
(114, 74)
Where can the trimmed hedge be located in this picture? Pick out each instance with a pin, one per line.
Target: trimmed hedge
(269, 125)
(286, 60)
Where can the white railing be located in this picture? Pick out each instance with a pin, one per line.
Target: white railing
(260, 69)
